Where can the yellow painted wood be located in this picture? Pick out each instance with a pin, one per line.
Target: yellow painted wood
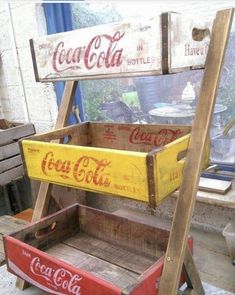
(115, 172)
(167, 169)
(109, 171)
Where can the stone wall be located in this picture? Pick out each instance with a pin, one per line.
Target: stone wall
(21, 98)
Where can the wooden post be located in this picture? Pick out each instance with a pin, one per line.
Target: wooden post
(192, 276)
(185, 204)
(44, 194)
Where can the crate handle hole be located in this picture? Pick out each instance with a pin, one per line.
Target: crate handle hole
(181, 155)
(200, 34)
(46, 231)
(67, 139)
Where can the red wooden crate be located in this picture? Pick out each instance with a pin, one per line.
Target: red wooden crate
(84, 251)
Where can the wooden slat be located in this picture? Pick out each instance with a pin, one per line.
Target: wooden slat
(134, 137)
(65, 225)
(60, 133)
(192, 276)
(119, 42)
(168, 167)
(44, 193)
(9, 150)
(185, 55)
(119, 276)
(15, 133)
(136, 236)
(185, 203)
(11, 175)
(111, 253)
(10, 163)
(87, 168)
(8, 224)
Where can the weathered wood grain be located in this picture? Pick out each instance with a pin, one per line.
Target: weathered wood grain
(129, 48)
(103, 147)
(111, 253)
(9, 150)
(116, 275)
(15, 133)
(44, 193)
(209, 250)
(134, 137)
(8, 224)
(9, 163)
(12, 174)
(187, 195)
(135, 236)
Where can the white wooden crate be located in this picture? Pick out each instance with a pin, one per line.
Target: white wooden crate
(150, 46)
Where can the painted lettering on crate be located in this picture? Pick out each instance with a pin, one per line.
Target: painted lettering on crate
(56, 278)
(101, 51)
(189, 50)
(163, 137)
(97, 175)
(49, 163)
(175, 174)
(84, 170)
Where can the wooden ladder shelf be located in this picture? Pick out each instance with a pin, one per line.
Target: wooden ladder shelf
(178, 255)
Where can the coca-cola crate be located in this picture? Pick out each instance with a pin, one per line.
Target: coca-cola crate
(167, 43)
(84, 251)
(141, 162)
(10, 159)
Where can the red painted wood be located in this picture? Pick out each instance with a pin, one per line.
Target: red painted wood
(57, 277)
(150, 279)
(52, 275)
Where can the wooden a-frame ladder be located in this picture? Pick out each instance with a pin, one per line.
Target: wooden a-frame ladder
(177, 255)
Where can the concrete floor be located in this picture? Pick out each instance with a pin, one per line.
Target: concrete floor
(7, 286)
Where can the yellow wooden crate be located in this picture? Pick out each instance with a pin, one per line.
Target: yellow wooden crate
(141, 162)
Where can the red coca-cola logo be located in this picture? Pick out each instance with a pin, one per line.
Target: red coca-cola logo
(59, 279)
(163, 137)
(50, 164)
(86, 169)
(83, 171)
(101, 51)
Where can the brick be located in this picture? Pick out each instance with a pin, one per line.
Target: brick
(8, 69)
(25, 27)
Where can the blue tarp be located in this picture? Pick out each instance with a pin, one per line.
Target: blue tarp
(59, 19)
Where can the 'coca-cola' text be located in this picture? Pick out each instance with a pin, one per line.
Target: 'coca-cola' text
(101, 51)
(163, 137)
(86, 169)
(59, 278)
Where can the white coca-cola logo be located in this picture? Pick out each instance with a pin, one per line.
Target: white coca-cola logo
(58, 278)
